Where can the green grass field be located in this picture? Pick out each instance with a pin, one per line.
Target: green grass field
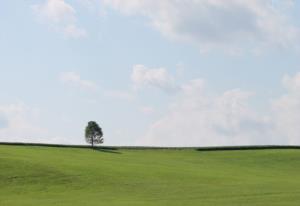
(47, 176)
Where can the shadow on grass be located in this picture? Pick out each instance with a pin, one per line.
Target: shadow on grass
(254, 147)
(107, 149)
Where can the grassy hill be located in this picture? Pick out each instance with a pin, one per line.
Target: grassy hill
(49, 176)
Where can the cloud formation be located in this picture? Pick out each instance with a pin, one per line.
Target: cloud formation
(147, 110)
(74, 79)
(286, 110)
(19, 124)
(60, 16)
(199, 118)
(121, 95)
(231, 25)
(154, 77)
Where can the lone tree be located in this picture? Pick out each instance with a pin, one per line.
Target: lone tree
(93, 133)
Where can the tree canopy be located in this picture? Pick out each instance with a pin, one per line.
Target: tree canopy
(93, 133)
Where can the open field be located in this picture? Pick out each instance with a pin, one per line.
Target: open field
(47, 176)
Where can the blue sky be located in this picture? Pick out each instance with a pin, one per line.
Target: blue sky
(163, 73)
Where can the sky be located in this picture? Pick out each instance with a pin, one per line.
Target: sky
(151, 72)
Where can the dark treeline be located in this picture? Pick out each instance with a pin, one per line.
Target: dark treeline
(218, 148)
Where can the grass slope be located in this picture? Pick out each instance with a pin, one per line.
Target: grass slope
(32, 175)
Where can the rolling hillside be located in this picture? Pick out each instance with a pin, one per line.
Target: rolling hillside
(48, 176)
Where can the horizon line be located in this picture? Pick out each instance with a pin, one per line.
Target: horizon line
(199, 148)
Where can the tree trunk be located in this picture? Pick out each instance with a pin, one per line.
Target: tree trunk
(92, 142)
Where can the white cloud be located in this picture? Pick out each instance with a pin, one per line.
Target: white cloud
(147, 110)
(20, 124)
(123, 95)
(292, 84)
(60, 16)
(74, 32)
(74, 79)
(232, 25)
(286, 110)
(155, 77)
(200, 119)
(56, 11)
(23, 123)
